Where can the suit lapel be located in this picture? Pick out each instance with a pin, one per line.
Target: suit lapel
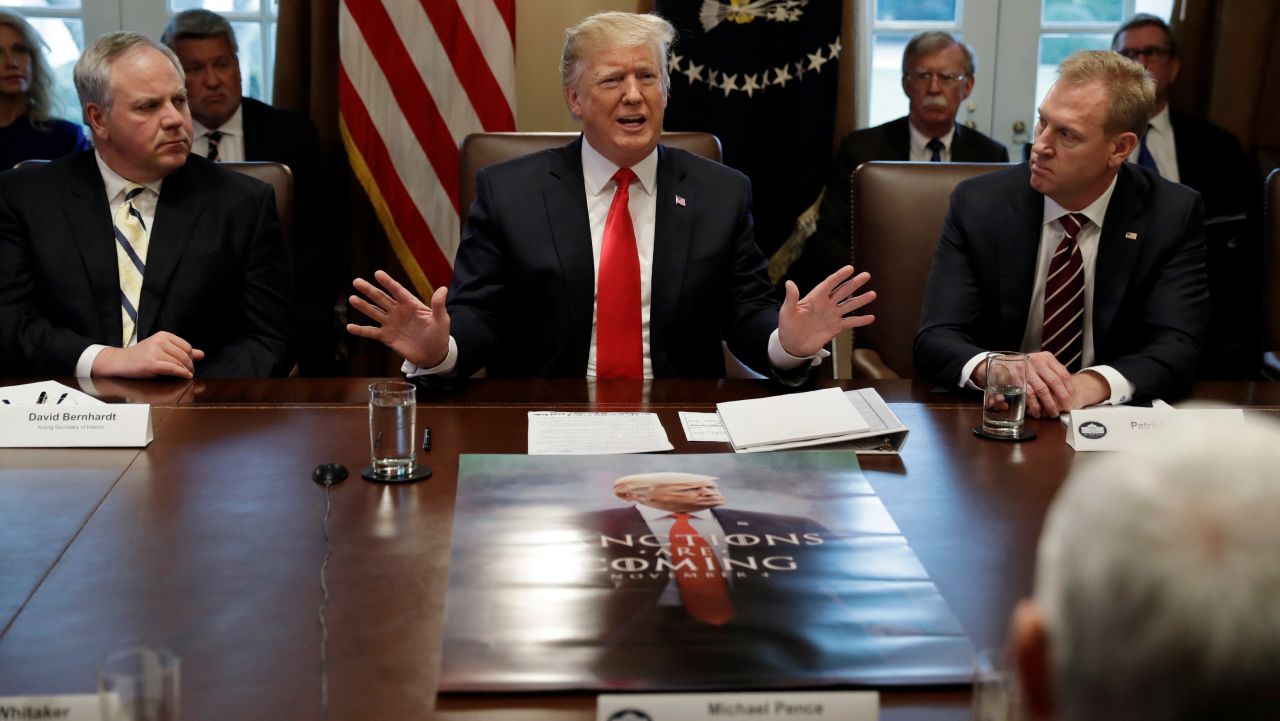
(962, 150)
(897, 140)
(88, 214)
(1117, 254)
(672, 240)
(177, 211)
(1019, 247)
(252, 136)
(570, 229)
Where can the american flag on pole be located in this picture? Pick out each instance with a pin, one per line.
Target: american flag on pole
(415, 77)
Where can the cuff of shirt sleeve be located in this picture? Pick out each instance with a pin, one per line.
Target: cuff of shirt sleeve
(966, 373)
(84, 366)
(1121, 389)
(782, 360)
(447, 365)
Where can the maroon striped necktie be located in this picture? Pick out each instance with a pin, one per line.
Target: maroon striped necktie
(1063, 331)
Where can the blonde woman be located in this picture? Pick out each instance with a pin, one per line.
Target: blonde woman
(27, 131)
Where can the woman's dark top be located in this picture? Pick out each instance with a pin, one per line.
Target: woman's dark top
(20, 141)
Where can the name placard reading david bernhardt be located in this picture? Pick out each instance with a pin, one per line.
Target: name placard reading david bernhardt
(121, 425)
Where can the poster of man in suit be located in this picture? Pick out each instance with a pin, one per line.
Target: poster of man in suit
(661, 572)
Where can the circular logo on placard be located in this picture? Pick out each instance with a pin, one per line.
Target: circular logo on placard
(1093, 430)
(630, 714)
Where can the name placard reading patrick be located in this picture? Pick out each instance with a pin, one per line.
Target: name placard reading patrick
(120, 425)
(782, 706)
(1114, 428)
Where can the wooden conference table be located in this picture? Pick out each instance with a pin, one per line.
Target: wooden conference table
(210, 541)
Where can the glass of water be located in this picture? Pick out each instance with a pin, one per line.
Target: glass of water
(1004, 402)
(996, 696)
(392, 427)
(139, 684)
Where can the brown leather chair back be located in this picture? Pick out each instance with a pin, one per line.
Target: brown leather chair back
(279, 177)
(898, 209)
(480, 150)
(1271, 219)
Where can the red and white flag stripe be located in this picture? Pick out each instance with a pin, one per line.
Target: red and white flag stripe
(415, 77)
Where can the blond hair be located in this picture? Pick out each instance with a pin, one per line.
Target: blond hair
(40, 94)
(616, 29)
(1131, 93)
(92, 73)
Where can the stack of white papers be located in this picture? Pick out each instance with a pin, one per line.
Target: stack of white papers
(790, 421)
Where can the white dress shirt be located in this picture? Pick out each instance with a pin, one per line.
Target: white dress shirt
(230, 147)
(1051, 235)
(1161, 146)
(704, 522)
(919, 141)
(145, 204)
(598, 184)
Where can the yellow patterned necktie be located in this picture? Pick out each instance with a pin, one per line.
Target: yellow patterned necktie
(131, 261)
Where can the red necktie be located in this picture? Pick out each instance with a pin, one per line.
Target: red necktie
(1063, 332)
(619, 353)
(703, 588)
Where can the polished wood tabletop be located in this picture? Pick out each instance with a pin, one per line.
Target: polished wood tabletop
(211, 541)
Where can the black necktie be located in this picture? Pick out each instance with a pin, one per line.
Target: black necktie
(936, 146)
(215, 136)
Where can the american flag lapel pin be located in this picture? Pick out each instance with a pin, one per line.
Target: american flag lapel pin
(1131, 235)
(680, 201)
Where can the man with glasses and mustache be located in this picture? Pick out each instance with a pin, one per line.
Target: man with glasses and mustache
(1181, 147)
(937, 76)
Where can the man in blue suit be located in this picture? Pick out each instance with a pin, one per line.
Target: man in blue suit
(541, 286)
(1094, 266)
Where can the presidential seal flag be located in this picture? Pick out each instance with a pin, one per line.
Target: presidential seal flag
(761, 75)
(415, 77)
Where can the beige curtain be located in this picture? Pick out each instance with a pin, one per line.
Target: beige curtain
(1231, 69)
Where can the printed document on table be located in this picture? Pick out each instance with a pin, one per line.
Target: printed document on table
(796, 417)
(703, 427)
(558, 433)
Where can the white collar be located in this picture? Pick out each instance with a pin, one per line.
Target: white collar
(598, 170)
(920, 141)
(233, 126)
(653, 514)
(1095, 211)
(116, 184)
(1160, 122)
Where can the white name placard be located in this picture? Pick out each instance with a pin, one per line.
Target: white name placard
(77, 707)
(1116, 427)
(117, 425)
(780, 706)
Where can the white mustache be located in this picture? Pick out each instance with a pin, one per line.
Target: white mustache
(934, 101)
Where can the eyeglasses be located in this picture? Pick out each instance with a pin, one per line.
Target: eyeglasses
(926, 78)
(1153, 52)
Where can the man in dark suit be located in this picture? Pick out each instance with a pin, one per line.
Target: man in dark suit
(937, 75)
(612, 256)
(1182, 147)
(1093, 265)
(230, 128)
(190, 283)
(688, 578)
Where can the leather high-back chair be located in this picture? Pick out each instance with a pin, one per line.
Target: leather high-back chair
(898, 209)
(1271, 218)
(277, 175)
(480, 150)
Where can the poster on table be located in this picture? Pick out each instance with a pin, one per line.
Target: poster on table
(670, 572)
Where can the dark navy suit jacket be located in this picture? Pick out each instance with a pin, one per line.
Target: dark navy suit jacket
(524, 281)
(1150, 298)
(214, 272)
